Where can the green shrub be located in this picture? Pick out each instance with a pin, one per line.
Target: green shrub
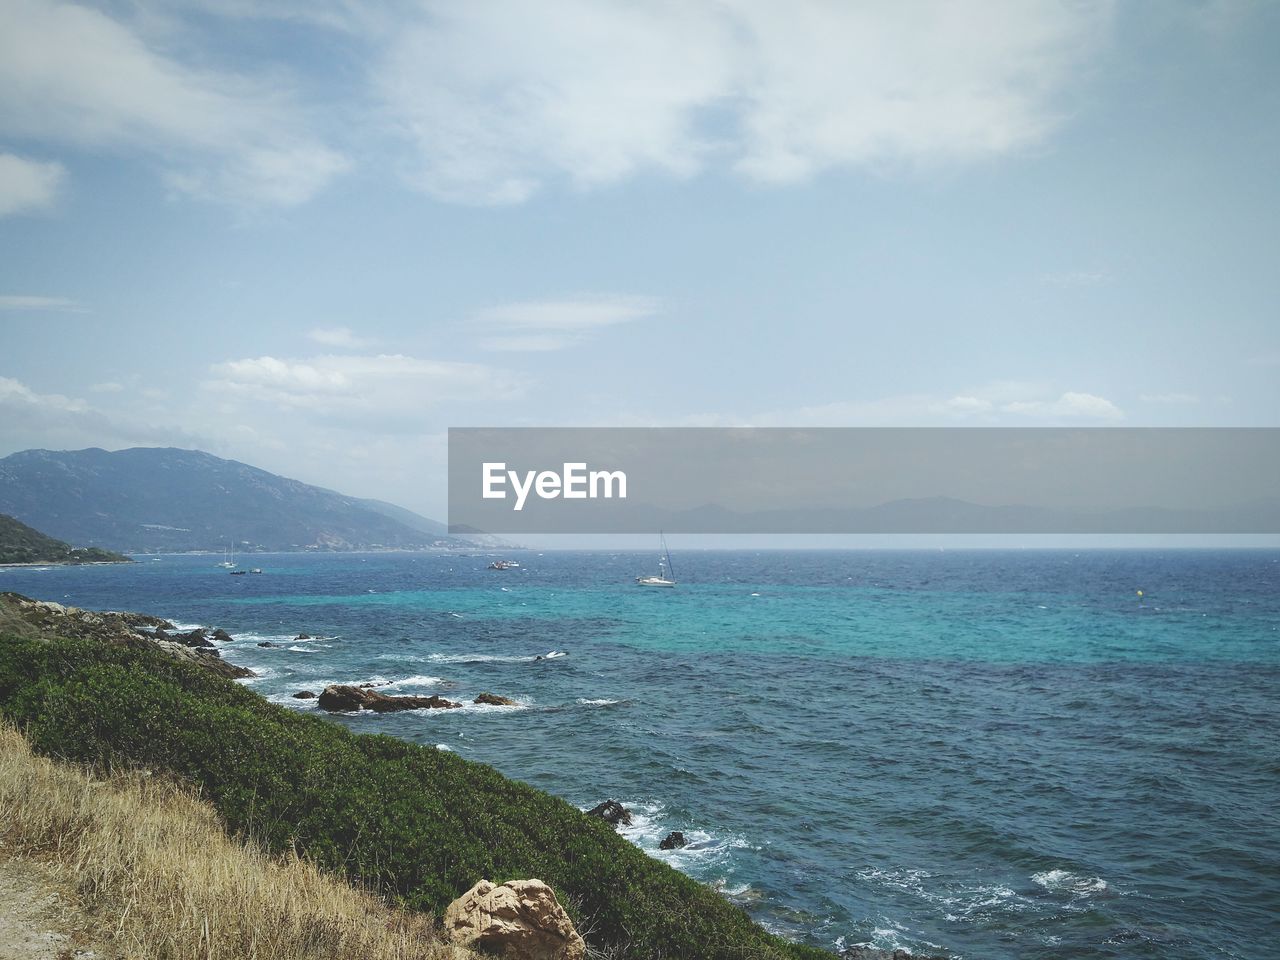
(419, 824)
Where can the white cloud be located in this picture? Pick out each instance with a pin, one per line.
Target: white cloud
(109, 386)
(16, 395)
(27, 303)
(1069, 405)
(359, 389)
(74, 75)
(543, 325)
(1169, 398)
(1075, 278)
(28, 185)
(340, 337)
(994, 404)
(500, 97)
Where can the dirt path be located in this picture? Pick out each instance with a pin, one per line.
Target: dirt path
(37, 921)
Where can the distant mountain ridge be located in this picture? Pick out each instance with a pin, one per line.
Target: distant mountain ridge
(157, 499)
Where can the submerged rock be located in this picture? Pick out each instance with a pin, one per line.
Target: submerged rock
(493, 700)
(611, 811)
(673, 841)
(304, 695)
(859, 952)
(342, 698)
(303, 636)
(269, 644)
(519, 919)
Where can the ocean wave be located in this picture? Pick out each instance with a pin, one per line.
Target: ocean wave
(1064, 881)
(961, 902)
(420, 680)
(649, 827)
(492, 657)
(599, 702)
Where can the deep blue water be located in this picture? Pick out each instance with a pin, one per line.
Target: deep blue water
(1000, 754)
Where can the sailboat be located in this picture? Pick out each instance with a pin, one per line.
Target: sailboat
(666, 576)
(227, 563)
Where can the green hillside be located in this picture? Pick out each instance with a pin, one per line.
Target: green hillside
(22, 544)
(417, 824)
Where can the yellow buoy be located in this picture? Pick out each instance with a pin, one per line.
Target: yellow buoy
(1139, 593)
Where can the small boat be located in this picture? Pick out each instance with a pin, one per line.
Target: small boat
(504, 565)
(238, 573)
(666, 576)
(256, 570)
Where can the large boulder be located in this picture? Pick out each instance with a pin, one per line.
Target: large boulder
(493, 700)
(673, 841)
(611, 811)
(193, 638)
(343, 698)
(519, 919)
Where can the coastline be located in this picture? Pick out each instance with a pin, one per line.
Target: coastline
(614, 890)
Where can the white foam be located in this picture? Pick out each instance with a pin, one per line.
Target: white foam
(601, 702)
(648, 829)
(416, 681)
(297, 649)
(486, 657)
(1064, 881)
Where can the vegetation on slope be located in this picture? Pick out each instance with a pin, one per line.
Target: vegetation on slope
(414, 823)
(22, 544)
(153, 861)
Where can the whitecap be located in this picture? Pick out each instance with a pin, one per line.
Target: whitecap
(420, 680)
(1064, 881)
(600, 702)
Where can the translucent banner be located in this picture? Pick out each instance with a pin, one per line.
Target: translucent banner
(863, 480)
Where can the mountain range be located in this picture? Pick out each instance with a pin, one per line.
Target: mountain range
(153, 499)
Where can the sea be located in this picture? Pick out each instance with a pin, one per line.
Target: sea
(984, 754)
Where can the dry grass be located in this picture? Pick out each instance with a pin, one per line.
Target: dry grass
(153, 864)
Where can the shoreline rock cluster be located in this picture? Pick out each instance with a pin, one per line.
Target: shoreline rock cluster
(125, 629)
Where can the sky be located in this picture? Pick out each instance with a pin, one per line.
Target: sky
(312, 236)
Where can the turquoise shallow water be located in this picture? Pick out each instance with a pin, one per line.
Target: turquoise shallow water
(991, 754)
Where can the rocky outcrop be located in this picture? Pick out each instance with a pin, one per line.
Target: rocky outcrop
(304, 695)
(192, 638)
(520, 919)
(210, 660)
(858, 952)
(493, 700)
(611, 811)
(673, 841)
(222, 636)
(341, 698)
(118, 628)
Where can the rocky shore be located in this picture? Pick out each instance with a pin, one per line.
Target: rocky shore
(118, 628)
